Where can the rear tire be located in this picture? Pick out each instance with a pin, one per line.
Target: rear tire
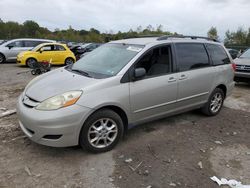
(215, 103)
(102, 131)
(69, 61)
(2, 58)
(30, 62)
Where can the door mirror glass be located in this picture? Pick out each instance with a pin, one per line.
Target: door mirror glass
(139, 73)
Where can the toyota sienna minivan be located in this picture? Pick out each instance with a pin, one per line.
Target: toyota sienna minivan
(125, 83)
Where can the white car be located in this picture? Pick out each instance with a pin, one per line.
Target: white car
(10, 49)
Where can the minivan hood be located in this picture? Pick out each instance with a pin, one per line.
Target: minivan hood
(56, 82)
(242, 61)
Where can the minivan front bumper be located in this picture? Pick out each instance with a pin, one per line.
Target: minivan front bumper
(57, 128)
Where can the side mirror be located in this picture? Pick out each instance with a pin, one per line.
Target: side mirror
(41, 50)
(139, 73)
(10, 47)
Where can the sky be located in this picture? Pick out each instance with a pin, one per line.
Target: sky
(189, 17)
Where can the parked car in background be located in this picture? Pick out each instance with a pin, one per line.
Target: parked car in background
(56, 53)
(10, 49)
(125, 83)
(242, 73)
(233, 52)
(78, 50)
(2, 41)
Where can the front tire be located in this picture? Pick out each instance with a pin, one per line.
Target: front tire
(31, 62)
(215, 103)
(2, 58)
(102, 131)
(69, 61)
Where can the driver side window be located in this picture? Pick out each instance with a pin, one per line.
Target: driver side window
(16, 44)
(48, 48)
(156, 61)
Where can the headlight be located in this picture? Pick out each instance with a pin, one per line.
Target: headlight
(60, 101)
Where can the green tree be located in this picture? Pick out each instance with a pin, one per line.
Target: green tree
(30, 28)
(212, 33)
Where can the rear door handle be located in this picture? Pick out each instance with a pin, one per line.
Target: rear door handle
(171, 79)
(183, 77)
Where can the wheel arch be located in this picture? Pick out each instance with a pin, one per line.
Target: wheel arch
(114, 108)
(223, 87)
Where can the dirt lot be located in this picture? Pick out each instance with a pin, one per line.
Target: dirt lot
(180, 151)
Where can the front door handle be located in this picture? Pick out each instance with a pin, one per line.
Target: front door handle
(183, 77)
(171, 79)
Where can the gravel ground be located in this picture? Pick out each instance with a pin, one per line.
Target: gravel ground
(179, 151)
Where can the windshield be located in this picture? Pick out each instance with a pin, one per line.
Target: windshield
(1, 42)
(37, 47)
(246, 54)
(85, 45)
(107, 60)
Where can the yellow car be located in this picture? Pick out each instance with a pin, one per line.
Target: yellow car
(55, 53)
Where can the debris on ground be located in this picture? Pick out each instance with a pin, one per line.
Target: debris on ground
(121, 157)
(151, 151)
(172, 184)
(200, 165)
(134, 169)
(146, 173)
(218, 142)
(111, 179)
(27, 170)
(129, 160)
(19, 137)
(231, 183)
(7, 113)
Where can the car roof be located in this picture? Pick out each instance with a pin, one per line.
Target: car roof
(53, 43)
(159, 40)
(32, 39)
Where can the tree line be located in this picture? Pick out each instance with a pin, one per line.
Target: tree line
(31, 29)
(236, 39)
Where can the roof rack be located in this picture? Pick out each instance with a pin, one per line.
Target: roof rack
(142, 36)
(165, 37)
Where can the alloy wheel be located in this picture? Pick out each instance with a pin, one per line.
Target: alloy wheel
(216, 102)
(102, 133)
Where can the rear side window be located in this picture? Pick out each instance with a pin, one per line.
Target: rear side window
(59, 48)
(29, 43)
(191, 56)
(218, 54)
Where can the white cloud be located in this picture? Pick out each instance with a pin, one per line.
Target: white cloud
(193, 17)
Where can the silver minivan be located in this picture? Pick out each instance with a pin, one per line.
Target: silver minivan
(10, 49)
(125, 83)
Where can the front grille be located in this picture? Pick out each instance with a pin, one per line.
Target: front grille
(243, 68)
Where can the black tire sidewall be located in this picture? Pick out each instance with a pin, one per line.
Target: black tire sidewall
(105, 113)
(3, 58)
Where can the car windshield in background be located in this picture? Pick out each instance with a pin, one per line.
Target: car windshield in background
(246, 54)
(1, 42)
(107, 60)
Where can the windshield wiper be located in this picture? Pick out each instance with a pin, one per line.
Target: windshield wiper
(81, 72)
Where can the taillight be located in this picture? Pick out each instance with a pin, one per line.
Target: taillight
(234, 66)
